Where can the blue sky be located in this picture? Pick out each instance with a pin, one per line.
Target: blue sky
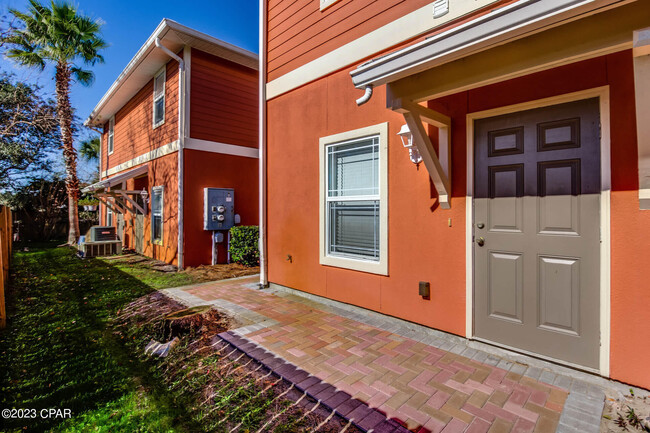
(128, 24)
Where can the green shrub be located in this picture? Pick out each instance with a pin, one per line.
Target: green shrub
(244, 247)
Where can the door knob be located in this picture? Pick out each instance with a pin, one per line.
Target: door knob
(480, 241)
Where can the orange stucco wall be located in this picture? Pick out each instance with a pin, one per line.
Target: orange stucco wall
(422, 245)
(213, 170)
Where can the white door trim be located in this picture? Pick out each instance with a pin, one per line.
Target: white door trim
(605, 247)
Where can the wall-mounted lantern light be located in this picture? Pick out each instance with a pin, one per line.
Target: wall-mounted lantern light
(407, 141)
(144, 194)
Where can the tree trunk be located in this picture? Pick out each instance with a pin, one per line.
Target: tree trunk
(64, 113)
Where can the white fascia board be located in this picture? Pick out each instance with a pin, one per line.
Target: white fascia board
(498, 26)
(124, 87)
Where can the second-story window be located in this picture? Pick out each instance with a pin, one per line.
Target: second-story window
(159, 99)
(111, 133)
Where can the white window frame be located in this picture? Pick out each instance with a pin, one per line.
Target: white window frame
(111, 136)
(109, 217)
(358, 264)
(154, 191)
(162, 73)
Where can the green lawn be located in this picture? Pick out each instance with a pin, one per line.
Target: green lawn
(58, 352)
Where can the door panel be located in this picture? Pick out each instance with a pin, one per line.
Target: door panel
(537, 210)
(506, 286)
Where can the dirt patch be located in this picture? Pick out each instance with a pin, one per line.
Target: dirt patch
(220, 272)
(626, 413)
(222, 389)
(199, 274)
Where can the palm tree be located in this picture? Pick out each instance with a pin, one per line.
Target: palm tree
(60, 36)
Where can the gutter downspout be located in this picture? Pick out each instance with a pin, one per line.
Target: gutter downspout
(181, 143)
(366, 96)
(262, 145)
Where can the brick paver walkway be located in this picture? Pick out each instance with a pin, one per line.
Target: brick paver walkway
(423, 387)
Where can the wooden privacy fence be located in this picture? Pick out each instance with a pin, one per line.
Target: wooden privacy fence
(5, 256)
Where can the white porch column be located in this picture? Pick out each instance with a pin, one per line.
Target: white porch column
(641, 53)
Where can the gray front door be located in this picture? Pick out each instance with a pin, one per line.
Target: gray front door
(139, 233)
(537, 231)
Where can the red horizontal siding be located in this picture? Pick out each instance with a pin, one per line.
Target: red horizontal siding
(223, 101)
(134, 132)
(299, 32)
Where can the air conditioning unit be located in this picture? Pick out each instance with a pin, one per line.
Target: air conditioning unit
(102, 234)
(100, 249)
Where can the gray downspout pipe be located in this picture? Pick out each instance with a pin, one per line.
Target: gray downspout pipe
(181, 143)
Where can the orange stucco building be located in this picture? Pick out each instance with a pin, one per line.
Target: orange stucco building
(520, 197)
(181, 117)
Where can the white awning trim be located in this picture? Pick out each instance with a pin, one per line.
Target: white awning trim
(116, 180)
(510, 22)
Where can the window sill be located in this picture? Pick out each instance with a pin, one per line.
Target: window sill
(156, 125)
(379, 268)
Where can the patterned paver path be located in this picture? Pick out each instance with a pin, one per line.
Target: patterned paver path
(419, 385)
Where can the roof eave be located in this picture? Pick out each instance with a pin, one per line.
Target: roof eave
(240, 55)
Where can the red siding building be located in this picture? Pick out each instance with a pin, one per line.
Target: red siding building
(162, 146)
(521, 195)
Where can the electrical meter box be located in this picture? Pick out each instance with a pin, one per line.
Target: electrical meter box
(218, 208)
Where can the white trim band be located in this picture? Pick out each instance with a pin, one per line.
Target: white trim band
(216, 147)
(141, 159)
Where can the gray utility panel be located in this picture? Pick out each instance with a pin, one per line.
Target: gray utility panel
(218, 208)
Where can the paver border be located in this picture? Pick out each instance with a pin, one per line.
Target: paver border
(340, 402)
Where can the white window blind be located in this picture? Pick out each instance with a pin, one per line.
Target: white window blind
(111, 134)
(159, 99)
(353, 203)
(157, 199)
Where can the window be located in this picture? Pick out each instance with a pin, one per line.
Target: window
(157, 199)
(109, 216)
(111, 133)
(354, 199)
(159, 99)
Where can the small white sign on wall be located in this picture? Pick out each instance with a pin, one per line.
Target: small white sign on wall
(440, 8)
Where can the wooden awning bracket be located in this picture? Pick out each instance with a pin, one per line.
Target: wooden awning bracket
(119, 200)
(438, 165)
(110, 203)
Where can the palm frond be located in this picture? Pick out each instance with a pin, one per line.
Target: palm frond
(58, 33)
(83, 76)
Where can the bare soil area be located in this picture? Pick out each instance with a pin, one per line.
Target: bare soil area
(199, 274)
(626, 413)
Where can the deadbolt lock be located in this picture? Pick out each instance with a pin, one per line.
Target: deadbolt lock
(480, 225)
(480, 241)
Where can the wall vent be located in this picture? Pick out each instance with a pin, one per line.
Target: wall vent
(440, 8)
